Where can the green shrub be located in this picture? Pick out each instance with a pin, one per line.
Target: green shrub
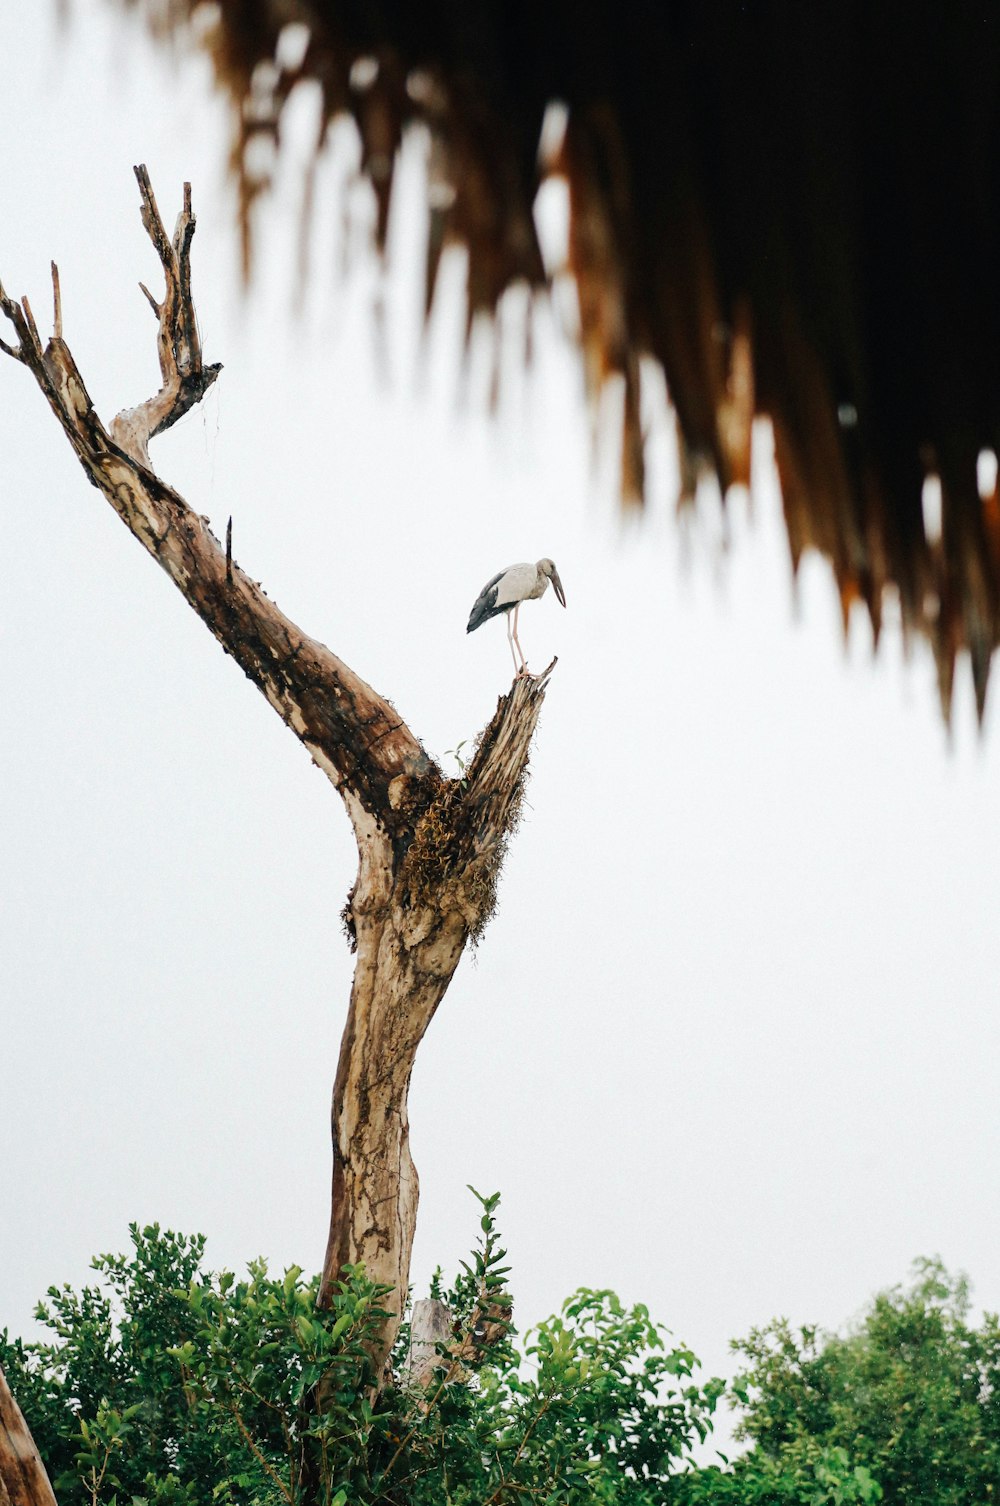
(905, 1409)
(163, 1383)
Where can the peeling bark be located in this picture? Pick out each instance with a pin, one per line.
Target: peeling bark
(429, 848)
(23, 1481)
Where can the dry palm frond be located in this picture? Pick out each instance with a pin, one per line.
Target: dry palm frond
(793, 209)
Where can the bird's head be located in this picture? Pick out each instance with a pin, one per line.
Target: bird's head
(547, 567)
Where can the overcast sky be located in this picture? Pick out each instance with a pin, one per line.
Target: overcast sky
(729, 1046)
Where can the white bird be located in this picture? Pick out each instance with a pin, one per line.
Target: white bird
(505, 593)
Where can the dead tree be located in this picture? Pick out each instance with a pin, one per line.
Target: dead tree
(429, 847)
(23, 1481)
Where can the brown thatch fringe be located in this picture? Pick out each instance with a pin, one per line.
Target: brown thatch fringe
(791, 208)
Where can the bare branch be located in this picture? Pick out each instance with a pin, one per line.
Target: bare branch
(354, 735)
(186, 379)
(150, 299)
(57, 325)
(8, 307)
(32, 327)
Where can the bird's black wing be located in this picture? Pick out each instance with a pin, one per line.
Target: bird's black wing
(485, 604)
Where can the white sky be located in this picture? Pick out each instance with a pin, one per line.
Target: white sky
(729, 1046)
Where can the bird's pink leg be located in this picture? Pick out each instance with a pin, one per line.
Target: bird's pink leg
(517, 667)
(523, 670)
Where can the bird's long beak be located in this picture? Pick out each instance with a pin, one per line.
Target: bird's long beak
(557, 587)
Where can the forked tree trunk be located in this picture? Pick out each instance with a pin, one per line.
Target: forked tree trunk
(23, 1481)
(411, 911)
(429, 847)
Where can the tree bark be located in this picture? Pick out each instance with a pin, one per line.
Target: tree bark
(412, 910)
(23, 1481)
(429, 848)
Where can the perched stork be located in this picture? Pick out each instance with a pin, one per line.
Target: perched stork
(505, 593)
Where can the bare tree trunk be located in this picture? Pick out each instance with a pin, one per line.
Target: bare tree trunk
(23, 1481)
(429, 847)
(411, 911)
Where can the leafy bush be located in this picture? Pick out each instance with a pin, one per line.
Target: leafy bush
(163, 1383)
(905, 1409)
(805, 1475)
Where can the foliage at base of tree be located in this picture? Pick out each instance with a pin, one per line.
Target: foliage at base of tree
(166, 1384)
(163, 1383)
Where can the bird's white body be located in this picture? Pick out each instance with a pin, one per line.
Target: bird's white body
(520, 583)
(505, 593)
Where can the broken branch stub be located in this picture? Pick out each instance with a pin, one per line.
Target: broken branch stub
(429, 848)
(430, 1332)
